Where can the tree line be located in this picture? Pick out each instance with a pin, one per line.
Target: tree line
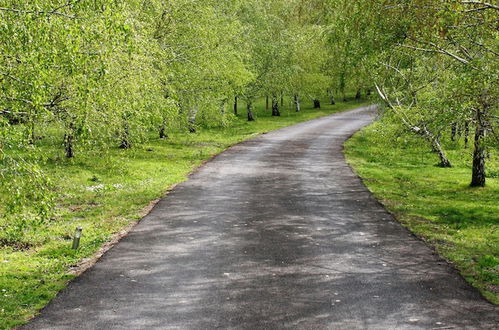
(103, 70)
(434, 65)
(106, 74)
(83, 75)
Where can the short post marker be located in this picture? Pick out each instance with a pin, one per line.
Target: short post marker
(76, 239)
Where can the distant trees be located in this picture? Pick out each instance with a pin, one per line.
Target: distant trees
(308, 79)
(268, 49)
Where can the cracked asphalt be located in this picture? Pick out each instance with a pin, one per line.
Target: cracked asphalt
(276, 232)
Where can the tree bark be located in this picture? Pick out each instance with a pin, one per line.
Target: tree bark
(223, 108)
(69, 140)
(437, 147)
(282, 100)
(453, 133)
(249, 108)
(435, 144)
(479, 153)
(235, 105)
(317, 104)
(358, 95)
(275, 106)
(193, 111)
(32, 134)
(162, 129)
(267, 102)
(434, 140)
(162, 133)
(125, 136)
(331, 96)
(297, 103)
(466, 134)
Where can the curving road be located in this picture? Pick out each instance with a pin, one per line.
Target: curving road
(276, 232)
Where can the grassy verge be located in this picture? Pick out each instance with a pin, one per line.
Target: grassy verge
(437, 204)
(107, 192)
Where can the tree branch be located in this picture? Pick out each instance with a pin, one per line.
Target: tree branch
(437, 49)
(55, 11)
(485, 5)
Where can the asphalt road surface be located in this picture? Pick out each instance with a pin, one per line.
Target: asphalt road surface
(277, 232)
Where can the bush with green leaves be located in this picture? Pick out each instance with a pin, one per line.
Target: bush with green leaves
(28, 202)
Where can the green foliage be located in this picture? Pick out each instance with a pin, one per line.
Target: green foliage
(433, 65)
(90, 76)
(27, 201)
(436, 68)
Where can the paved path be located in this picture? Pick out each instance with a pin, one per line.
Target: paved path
(276, 232)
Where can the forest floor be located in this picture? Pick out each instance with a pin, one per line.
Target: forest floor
(276, 232)
(436, 204)
(105, 192)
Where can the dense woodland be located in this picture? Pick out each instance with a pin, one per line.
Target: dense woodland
(94, 75)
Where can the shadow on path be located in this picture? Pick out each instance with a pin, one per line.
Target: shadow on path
(276, 232)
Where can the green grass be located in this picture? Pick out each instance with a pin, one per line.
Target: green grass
(437, 204)
(106, 191)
